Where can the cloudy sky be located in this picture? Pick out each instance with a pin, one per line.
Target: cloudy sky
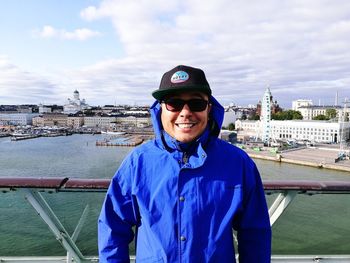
(115, 52)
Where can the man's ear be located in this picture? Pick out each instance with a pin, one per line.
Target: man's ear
(209, 108)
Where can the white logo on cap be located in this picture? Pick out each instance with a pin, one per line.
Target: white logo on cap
(179, 77)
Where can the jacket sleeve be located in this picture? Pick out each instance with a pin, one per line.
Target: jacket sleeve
(117, 218)
(254, 230)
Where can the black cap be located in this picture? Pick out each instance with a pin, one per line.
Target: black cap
(180, 79)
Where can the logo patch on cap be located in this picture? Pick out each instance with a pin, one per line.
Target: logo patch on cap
(179, 77)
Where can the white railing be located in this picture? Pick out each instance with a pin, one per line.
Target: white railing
(36, 191)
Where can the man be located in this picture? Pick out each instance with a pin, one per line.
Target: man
(186, 190)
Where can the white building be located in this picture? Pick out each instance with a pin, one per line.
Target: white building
(136, 121)
(230, 116)
(99, 121)
(17, 118)
(50, 109)
(296, 104)
(44, 109)
(310, 112)
(111, 121)
(315, 131)
(74, 105)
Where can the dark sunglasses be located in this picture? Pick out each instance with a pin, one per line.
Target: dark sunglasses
(195, 105)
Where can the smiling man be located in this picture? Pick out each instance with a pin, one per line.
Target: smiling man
(186, 190)
(179, 121)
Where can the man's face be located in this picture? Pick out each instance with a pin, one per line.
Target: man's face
(185, 125)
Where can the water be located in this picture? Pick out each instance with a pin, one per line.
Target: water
(71, 156)
(77, 156)
(309, 225)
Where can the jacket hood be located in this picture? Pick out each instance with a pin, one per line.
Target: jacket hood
(216, 117)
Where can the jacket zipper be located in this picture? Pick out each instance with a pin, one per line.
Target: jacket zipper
(184, 158)
(184, 161)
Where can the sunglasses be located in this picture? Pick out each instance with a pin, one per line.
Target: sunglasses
(195, 105)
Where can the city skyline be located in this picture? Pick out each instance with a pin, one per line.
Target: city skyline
(115, 52)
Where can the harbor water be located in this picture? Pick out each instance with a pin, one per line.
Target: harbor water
(305, 228)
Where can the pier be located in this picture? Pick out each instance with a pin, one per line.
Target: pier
(123, 140)
(319, 157)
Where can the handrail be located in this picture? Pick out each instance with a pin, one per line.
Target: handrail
(307, 185)
(284, 192)
(65, 183)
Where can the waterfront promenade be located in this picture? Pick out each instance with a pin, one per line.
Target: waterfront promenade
(322, 156)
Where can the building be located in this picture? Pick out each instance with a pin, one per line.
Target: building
(21, 119)
(75, 121)
(74, 105)
(38, 121)
(296, 104)
(310, 112)
(232, 113)
(99, 121)
(50, 109)
(134, 121)
(50, 120)
(230, 116)
(300, 130)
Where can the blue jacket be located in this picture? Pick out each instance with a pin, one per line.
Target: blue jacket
(186, 199)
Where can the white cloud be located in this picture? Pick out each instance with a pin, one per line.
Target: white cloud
(78, 34)
(48, 32)
(21, 87)
(299, 48)
(291, 45)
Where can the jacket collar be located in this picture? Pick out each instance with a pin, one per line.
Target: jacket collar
(172, 144)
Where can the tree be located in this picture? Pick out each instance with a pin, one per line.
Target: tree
(231, 127)
(287, 115)
(331, 113)
(320, 117)
(297, 115)
(254, 117)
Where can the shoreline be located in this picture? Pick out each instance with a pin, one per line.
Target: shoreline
(323, 162)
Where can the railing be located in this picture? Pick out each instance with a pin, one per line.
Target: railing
(63, 202)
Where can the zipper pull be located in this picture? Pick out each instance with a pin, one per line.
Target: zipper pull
(185, 158)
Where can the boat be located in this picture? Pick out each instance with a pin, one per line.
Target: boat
(113, 132)
(18, 136)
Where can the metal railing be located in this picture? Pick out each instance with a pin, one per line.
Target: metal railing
(38, 193)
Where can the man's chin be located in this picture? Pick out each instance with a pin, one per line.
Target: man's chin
(185, 138)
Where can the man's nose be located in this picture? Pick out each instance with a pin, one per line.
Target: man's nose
(185, 110)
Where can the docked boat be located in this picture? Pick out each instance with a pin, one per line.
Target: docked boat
(19, 135)
(113, 132)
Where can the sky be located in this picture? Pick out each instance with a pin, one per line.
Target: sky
(115, 52)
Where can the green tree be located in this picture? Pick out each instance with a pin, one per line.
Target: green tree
(231, 127)
(287, 115)
(331, 113)
(296, 115)
(254, 117)
(320, 117)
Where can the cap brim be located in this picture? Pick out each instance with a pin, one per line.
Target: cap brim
(160, 94)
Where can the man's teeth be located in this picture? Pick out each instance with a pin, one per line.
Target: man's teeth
(185, 125)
